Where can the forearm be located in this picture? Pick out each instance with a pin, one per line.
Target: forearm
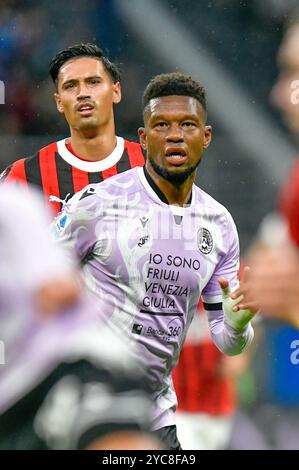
(228, 339)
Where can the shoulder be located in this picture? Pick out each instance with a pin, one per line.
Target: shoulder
(50, 148)
(133, 147)
(210, 206)
(15, 170)
(91, 202)
(216, 219)
(127, 181)
(25, 168)
(135, 153)
(115, 187)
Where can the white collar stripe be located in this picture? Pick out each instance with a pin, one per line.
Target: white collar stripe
(92, 167)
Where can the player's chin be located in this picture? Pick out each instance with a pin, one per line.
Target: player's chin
(88, 122)
(177, 175)
(177, 168)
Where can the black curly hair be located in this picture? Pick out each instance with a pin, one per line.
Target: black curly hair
(175, 83)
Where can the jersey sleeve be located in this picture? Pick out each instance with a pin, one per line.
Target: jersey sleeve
(75, 227)
(227, 266)
(15, 173)
(226, 338)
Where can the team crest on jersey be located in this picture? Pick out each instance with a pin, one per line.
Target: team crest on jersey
(205, 241)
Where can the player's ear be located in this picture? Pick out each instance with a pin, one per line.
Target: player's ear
(142, 137)
(116, 92)
(207, 136)
(58, 102)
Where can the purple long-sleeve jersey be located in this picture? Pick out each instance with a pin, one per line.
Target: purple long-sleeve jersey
(148, 263)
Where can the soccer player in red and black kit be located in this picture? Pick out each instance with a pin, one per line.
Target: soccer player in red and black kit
(87, 87)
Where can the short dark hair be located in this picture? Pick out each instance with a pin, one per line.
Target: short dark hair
(82, 50)
(175, 83)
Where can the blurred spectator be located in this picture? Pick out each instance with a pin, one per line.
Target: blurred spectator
(62, 385)
(30, 34)
(274, 423)
(275, 263)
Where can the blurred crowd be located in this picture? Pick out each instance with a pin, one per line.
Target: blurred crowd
(32, 32)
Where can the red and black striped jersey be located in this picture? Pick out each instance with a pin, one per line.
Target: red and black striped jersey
(288, 203)
(60, 174)
(199, 385)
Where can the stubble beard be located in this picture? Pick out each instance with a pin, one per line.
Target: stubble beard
(176, 178)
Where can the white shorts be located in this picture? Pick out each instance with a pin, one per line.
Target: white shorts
(202, 431)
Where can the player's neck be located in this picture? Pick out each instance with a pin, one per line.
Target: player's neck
(93, 147)
(174, 193)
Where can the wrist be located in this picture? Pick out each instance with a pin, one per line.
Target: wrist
(236, 320)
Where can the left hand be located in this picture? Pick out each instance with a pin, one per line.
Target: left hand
(238, 307)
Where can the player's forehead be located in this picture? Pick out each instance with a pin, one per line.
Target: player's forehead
(78, 67)
(174, 106)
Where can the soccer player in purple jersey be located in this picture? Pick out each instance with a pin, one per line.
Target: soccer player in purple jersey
(151, 243)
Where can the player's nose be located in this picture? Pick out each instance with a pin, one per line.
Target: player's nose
(175, 133)
(83, 91)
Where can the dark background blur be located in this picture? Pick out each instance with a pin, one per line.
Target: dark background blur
(242, 37)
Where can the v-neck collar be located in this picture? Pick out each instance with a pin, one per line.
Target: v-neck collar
(157, 190)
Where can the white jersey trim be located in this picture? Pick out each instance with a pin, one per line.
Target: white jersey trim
(176, 210)
(92, 167)
(212, 299)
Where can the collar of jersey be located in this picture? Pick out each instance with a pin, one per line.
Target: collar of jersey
(91, 167)
(176, 210)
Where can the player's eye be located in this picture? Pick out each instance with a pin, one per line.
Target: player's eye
(94, 81)
(188, 124)
(69, 85)
(161, 125)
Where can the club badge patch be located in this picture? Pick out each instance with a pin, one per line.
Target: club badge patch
(204, 241)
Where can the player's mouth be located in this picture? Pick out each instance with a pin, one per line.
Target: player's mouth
(176, 155)
(85, 109)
